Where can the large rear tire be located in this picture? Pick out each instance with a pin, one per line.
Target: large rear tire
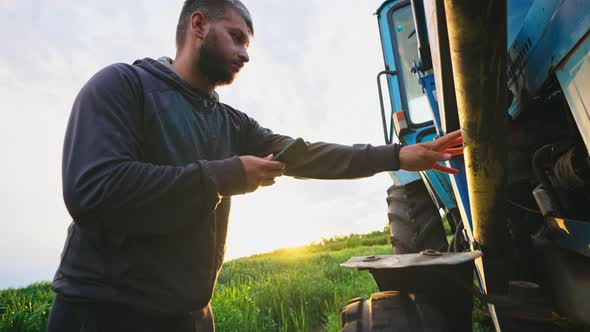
(414, 221)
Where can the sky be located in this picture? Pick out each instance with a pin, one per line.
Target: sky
(312, 75)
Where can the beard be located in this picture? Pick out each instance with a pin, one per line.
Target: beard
(212, 63)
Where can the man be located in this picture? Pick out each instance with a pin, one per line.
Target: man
(151, 160)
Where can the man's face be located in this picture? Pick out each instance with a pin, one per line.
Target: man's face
(224, 49)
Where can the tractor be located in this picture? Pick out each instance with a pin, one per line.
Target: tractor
(514, 76)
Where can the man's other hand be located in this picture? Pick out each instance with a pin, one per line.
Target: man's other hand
(425, 156)
(261, 172)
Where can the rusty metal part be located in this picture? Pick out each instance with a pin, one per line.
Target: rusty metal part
(477, 40)
(417, 277)
(424, 273)
(426, 258)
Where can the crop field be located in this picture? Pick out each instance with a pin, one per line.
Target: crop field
(296, 289)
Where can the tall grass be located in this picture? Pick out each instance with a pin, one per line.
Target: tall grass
(292, 290)
(25, 309)
(296, 289)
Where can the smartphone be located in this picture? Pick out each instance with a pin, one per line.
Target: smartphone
(292, 152)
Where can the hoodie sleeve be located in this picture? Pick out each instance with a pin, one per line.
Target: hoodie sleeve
(326, 160)
(104, 179)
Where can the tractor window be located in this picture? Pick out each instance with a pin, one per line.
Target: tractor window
(406, 47)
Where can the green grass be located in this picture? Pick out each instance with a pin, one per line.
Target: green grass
(295, 289)
(25, 309)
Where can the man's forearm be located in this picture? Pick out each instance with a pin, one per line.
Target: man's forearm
(334, 161)
(118, 195)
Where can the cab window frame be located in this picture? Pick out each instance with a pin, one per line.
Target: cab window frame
(401, 77)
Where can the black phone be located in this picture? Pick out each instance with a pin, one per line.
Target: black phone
(292, 152)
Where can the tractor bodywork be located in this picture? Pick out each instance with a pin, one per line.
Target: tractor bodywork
(514, 76)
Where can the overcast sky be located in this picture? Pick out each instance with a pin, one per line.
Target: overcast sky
(312, 74)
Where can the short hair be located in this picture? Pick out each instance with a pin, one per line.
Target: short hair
(212, 9)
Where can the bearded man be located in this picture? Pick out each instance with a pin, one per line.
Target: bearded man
(150, 161)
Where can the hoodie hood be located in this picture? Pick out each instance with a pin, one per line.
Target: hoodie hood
(166, 73)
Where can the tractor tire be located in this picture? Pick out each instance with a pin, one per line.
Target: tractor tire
(414, 221)
(390, 311)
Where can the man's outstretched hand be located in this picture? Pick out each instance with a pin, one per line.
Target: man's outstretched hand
(425, 156)
(261, 172)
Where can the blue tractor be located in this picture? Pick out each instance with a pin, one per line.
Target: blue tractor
(514, 76)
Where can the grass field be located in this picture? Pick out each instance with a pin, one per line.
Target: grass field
(297, 289)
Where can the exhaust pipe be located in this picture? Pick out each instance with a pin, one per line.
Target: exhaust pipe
(478, 42)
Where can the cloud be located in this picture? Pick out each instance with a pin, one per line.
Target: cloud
(53, 49)
(312, 74)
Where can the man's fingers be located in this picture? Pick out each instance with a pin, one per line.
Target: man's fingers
(444, 169)
(269, 157)
(273, 165)
(449, 140)
(443, 142)
(456, 142)
(454, 151)
(439, 156)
